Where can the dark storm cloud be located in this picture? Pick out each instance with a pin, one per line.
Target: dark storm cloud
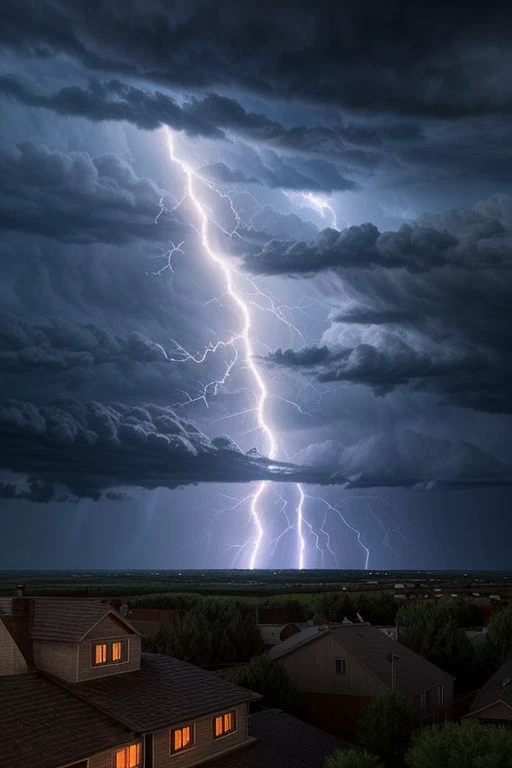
(434, 59)
(69, 448)
(433, 321)
(209, 117)
(76, 198)
(413, 247)
(407, 458)
(279, 172)
(361, 315)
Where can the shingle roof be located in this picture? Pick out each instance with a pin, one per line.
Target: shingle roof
(497, 688)
(372, 648)
(164, 691)
(68, 620)
(413, 673)
(43, 725)
(296, 641)
(283, 742)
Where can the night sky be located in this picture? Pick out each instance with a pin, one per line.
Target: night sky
(256, 286)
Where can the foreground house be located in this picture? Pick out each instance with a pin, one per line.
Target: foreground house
(76, 692)
(337, 670)
(493, 703)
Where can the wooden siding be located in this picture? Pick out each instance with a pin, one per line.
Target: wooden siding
(87, 672)
(12, 661)
(205, 746)
(312, 667)
(109, 627)
(59, 659)
(106, 759)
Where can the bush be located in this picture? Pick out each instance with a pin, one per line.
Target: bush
(268, 677)
(386, 726)
(211, 632)
(465, 745)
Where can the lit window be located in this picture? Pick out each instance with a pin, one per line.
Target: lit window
(99, 654)
(341, 666)
(128, 757)
(182, 738)
(118, 651)
(224, 724)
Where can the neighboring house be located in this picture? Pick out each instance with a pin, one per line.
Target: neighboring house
(76, 692)
(493, 703)
(337, 670)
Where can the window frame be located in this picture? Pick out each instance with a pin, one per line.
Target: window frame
(126, 748)
(223, 714)
(94, 648)
(125, 652)
(180, 727)
(343, 663)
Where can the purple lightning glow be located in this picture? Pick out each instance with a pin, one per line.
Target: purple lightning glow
(244, 338)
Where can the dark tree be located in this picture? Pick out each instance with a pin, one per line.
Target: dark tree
(431, 629)
(212, 632)
(462, 745)
(268, 677)
(386, 726)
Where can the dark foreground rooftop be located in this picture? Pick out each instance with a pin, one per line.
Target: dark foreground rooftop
(283, 741)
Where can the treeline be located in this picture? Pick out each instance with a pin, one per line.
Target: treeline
(211, 632)
(376, 608)
(436, 631)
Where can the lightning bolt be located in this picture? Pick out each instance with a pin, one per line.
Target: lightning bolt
(319, 204)
(243, 337)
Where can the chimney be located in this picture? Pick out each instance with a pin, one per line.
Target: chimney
(20, 590)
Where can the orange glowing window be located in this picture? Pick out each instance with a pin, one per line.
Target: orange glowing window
(182, 738)
(100, 653)
(223, 724)
(128, 757)
(118, 651)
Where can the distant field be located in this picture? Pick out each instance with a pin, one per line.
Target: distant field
(290, 583)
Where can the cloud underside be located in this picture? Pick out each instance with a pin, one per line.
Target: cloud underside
(74, 450)
(342, 55)
(427, 308)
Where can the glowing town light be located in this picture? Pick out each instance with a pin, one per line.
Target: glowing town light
(244, 337)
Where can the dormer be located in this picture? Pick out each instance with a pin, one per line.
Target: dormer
(79, 640)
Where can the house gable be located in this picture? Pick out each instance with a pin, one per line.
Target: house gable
(12, 661)
(312, 665)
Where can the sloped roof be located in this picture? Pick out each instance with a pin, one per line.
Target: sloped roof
(19, 628)
(69, 620)
(44, 726)
(497, 688)
(164, 691)
(296, 641)
(282, 742)
(372, 648)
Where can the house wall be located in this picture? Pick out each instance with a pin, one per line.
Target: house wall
(59, 659)
(104, 759)
(205, 746)
(12, 661)
(85, 669)
(333, 713)
(312, 667)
